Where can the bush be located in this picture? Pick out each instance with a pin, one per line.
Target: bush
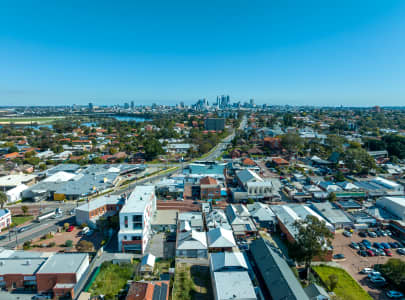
(51, 244)
(68, 243)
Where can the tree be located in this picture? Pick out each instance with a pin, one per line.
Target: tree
(291, 142)
(84, 246)
(332, 197)
(312, 240)
(333, 281)
(24, 209)
(394, 271)
(250, 201)
(3, 199)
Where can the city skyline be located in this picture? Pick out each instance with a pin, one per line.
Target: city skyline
(349, 54)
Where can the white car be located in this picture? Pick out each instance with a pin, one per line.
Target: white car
(366, 271)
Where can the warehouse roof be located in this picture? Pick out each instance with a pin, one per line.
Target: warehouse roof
(63, 263)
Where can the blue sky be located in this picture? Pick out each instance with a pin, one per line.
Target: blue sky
(275, 51)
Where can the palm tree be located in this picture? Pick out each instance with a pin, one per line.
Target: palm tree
(3, 199)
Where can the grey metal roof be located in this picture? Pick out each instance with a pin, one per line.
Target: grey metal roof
(226, 261)
(277, 275)
(100, 201)
(25, 266)
(63, 263)
(331, 213)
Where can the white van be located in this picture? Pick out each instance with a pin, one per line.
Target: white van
(85, 230)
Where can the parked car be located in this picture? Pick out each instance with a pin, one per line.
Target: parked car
(374, 274)
(389, 233)
(394, 295)
(369, 252)
(397, 245)
(362, 253)
(361, 246)
(384, 233)
(385, 245)
(401, 251)
(393, 245)
(41, 297)
(347, 233)
(366, 271)
(381, 252)
(366, 242)
(362, 234)
(372, 234)
(90, 232)
(387, 252)
(378, 280)
(377, 245)
(354, 245)
(70, 229)
(339, 256)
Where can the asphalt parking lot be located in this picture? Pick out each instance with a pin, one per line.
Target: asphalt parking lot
(354, 263)
(4, 295)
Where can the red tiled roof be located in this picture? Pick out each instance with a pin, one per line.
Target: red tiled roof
(208, 180)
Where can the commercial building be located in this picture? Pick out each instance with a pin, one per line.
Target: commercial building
(214, 124)
(394, 205)
(220, 240)
(135, 219)
(56, 273)
(103, 206)
(11, 181)
(332, 214)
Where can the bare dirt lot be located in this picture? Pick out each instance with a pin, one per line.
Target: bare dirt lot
(354, 263)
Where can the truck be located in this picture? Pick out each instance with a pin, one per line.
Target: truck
(45, 215)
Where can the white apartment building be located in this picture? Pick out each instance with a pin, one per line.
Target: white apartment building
(135, 219)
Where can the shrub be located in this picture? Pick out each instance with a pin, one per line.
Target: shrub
(68, 243)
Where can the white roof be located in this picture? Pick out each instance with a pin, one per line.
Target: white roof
(234, 285)
(149, 260)
(17, 190)
(386, 183)
(60, 177)
(14, 180)
(223, 260)
(220, 238)
(138, 199)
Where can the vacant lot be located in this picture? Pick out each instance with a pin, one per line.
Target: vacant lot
(192, 282)
(347, 287)
(111, 279)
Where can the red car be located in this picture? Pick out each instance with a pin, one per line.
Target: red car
(370, 253)
(387, 252)
(70, 229)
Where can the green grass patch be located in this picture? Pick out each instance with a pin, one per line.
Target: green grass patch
(20, 219)
(347, 287)
(111, 279)
(192, 282)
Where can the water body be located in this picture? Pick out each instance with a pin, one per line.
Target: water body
(130, 118)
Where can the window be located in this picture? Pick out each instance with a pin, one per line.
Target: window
(125, 237)
(126, 221)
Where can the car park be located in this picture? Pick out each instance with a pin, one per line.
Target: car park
(394, 295)
(377, 245)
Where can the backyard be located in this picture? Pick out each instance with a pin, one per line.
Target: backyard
(111, 279)
(346, 288)
(192, 282)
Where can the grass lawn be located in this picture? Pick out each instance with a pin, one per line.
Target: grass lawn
(192, 282)
(162, 266)
(20, 219)
(111, 279)
(40, 120)
(347, 287)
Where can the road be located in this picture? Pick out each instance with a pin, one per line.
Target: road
(11, 239)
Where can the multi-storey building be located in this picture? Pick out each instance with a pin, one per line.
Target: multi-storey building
(135, 220)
